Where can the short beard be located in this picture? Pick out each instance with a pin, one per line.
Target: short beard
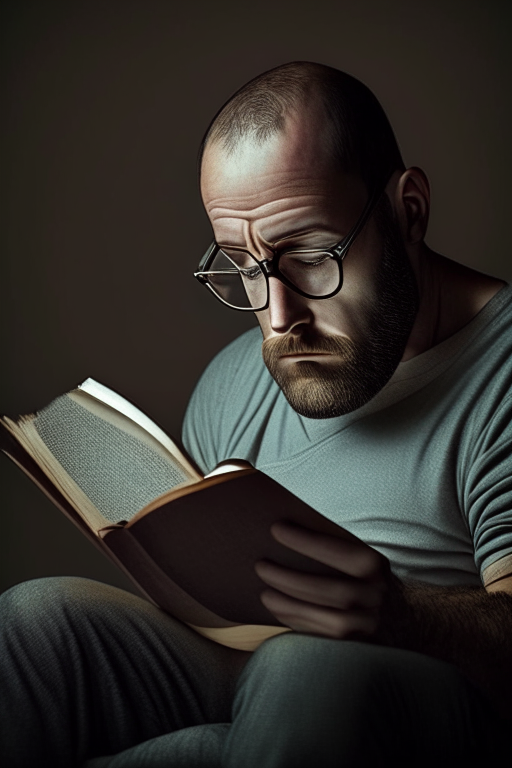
(320, 391)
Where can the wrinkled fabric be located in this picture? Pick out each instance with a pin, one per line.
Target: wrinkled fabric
(93, 676)
(422, 473)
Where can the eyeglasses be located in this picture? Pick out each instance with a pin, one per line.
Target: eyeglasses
(239, 280)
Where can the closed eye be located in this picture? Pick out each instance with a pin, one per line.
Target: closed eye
(307, 259)
(251, 274)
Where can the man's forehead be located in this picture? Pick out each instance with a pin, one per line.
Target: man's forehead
(299, 155)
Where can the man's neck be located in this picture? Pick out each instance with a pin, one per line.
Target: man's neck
(451, 295)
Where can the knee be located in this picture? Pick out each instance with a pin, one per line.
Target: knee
(307, 662)
(288, 671)
(39, 602)
(310, 700)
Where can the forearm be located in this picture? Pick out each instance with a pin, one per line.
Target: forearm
(465, 626)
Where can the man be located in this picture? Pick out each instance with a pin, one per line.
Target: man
(381, 395)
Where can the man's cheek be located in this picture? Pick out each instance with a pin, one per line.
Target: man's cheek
(263, 319)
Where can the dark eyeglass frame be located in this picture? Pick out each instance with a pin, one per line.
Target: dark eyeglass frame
(270, 267)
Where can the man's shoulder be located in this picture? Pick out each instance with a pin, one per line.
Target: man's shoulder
(237, 364)
(240, 353)
(493, 337)
(219, 419)
(489, 334)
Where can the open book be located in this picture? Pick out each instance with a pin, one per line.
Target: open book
(188, 542)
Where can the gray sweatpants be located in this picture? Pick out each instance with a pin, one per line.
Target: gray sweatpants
(91, 675)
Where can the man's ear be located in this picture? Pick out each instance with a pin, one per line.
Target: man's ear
(412, 204)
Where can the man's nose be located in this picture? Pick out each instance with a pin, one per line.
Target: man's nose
(286, 308)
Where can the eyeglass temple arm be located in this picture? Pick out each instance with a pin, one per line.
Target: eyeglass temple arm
(205, 258)
(339, 250)
(343, 247)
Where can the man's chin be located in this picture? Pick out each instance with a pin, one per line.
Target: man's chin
(319, 393)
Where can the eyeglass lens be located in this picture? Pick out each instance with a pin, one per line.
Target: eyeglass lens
(238, 279)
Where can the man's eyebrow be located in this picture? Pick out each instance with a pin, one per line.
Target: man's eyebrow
(293, 235)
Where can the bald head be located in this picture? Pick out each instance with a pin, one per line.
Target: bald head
(301, 152)
(289, 165)
(337, 111)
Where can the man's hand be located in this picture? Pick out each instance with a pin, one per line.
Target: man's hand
(351, 605)
(463, 625)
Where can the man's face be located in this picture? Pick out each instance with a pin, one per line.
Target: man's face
(328, 356)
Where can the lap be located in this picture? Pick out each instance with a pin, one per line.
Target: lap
(92, 668)
(313, 700)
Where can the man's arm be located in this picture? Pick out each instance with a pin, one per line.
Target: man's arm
(470, 627)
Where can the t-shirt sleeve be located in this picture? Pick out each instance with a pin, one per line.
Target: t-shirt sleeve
(488, 490)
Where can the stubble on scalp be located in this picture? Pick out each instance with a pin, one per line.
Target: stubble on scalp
(321, 391)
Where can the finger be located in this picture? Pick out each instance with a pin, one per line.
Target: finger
(328, 622)
(354, 558)
(334, 592)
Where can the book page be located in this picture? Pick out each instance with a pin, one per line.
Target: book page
(120, 468)
(28, 438)
(133, 416)
(230, 465)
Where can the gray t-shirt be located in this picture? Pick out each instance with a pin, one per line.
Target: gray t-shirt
(422, 473)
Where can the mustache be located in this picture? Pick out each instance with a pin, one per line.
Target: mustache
(275, 348)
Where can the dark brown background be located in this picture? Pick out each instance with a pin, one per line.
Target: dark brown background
(104, 107)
